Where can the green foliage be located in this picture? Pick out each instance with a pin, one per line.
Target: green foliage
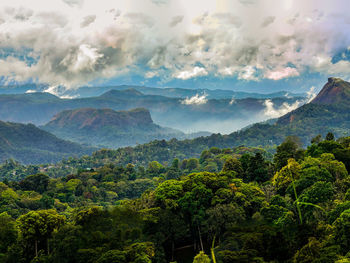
(8, 232)
(232, 203)
(201, 258)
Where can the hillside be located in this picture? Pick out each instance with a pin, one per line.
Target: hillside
(305, 122)
(29, 144)
(108, 128)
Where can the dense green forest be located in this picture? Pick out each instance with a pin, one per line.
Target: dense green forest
(228, 205)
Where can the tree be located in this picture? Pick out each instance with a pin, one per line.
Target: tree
(316, 139)
(201, 258)
(174, 171)
(257, 169)
(232, 164)
(286, 175)
(155, 168)
(192, 164)
(329, 137)
(204, 156)
(290, 148)
(342, 233)
(309, 252)
(37, 227)
(8, 232)
(36, 182)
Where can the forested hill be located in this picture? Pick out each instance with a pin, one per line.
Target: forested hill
(29, 144)
(305, 122)
(108, 128)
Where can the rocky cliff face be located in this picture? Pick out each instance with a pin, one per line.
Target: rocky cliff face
(335, 91)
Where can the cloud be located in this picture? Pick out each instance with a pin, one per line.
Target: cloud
(176, 20)
(88, 20)
(73, 2)
(248, 73)
(248, 2)
(84, 58)
(31, 91)
(311, 94)
(272, 112)
(268, 21)
(283, 73)
(287, 96)
(151, 74)
(160, 2)
(192, 73)
(58, 91)
(196, 100)
(75, 42)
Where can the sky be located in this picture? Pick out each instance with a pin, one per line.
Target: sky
(247, 45)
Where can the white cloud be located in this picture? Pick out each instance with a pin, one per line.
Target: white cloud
(196, 100)
(195, 72)
(311, 94)
(31, 91)
(287, 96)
(272, 112)
(151, 74)
(84, 58)
(73, 42)
(88, 20)
(267, 21)
(58, 91)
(282, 73)
(176, 20)
(248, 73)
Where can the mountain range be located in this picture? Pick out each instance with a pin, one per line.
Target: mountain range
(329, 111)
(93, 91)
(182, 93)
(189, 114)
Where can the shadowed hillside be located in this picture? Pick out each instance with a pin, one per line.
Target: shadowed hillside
(29, 144)
(109, 128)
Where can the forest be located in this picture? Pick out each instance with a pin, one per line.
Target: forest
(228, 205)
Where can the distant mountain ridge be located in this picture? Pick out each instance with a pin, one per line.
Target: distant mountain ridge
(193, 114)
(109, 128)
(183, 93)
(29, 144)
(87, 91)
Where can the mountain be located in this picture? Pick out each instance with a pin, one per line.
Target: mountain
(189, 114)
(317, 117)
(29, 144)
(109, 128)
(336, 91)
